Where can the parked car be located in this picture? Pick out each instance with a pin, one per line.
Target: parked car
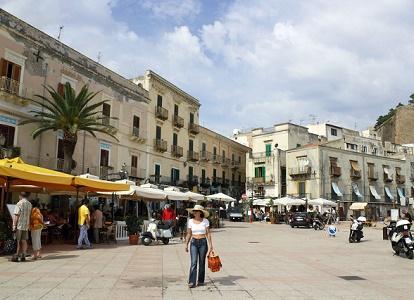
(301, 219)
(235, 214)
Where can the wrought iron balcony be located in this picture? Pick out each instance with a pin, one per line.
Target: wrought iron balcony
(161, 113)
(176, 151)
(235, 164)
(193, 156)
(13, 90)
(205, 156)
(300, 172)
(178, 121)
(225, 162)
(136, 135)
(193, 128)
(216, 159)
(160, 145)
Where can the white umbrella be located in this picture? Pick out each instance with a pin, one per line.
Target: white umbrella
(321, 202)
(150, 193)
(174, 195)
(221, 197)
(195, 196)
(261, 202)
(289, 201)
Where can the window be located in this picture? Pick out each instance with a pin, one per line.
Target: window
(374, 151)
(175, 176)
(239, 159)
(268, 150)
(302, 189)
(364, 148)
(259, 172)
(190, 145)
(203, 176)
(224, 154)
(8, 133)
(214, 174)
(223, 176)
(175, 139)
(135, 122)
(214, 151)
(159, 100)
(203, 147)
(190, 173)
(175, 110)
(158, 132)
(232, 157)
(157, 173)
(298, 145)
(12, 72)
(334, 132)
(239, 179)
(106, 113)
(232, 179)
(191, 118)
(104, 158)
(134, 166)
(350, 146)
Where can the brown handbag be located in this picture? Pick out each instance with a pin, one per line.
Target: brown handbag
(214, 262)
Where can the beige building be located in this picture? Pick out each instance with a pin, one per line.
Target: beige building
(180, 151)
(30, 59)
(266, 163)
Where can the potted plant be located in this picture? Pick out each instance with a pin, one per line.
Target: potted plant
(133, 227)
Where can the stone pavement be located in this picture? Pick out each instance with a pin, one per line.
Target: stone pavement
(260, 261)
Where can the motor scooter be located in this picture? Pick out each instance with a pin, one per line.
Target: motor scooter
(156, 232)
(401, 239)
(355, 232)
(318, 224)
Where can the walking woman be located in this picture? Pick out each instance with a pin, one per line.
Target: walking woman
(198, 233)
(36, 226)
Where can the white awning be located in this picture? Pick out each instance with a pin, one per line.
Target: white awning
(388, 192)
(174, 195)
(403, 199)
(356, 190)
(336, 189)
(386, 171)
(358, 206)
(374, 192)
(322, 202)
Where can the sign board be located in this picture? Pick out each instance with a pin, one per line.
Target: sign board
(394, 214)
(10, 208)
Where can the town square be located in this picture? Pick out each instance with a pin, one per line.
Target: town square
(201, 149)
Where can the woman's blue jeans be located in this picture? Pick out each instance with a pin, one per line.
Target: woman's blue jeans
(198, 251)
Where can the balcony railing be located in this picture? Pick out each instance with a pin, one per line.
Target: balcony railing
(235, 164)
(205, 156)
(161, 113)
(355, 174)
(136, 172)
(387, 177)
(205, 182)
(216, 181)
(400, 179)
(216, 159)
(193, 156)
(372, 175)
(192, 180)
(178, 121)
(176, 151)
(225, 162)
(300, 171)
(108, 121)
(104, 171)
(193, 128)
(60, 164)
(335, 171)
(136, 135)
(160, 145)
(264, 180)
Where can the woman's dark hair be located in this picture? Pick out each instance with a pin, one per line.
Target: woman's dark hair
(201, 214)
(35, 202)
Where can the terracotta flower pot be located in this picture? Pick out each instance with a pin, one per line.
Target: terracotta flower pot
(133, 239)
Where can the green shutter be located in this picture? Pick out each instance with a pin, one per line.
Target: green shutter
(256, 172)
(268, 150)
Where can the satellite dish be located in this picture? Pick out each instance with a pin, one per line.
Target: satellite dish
(236, 131)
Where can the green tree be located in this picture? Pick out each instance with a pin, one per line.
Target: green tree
(411, 101)
(71, 114)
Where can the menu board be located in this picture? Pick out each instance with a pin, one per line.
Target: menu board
(10, 208)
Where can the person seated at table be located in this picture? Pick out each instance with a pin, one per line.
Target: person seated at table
(53, 217)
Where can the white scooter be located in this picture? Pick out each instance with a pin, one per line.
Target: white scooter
(355, 232)
(401, 239)
(156, 232)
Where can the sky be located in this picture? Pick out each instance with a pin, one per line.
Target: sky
(250, 63)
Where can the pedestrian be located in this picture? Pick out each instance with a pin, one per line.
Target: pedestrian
(21, 222)
(83, 223)
(198, 233)
(97, 224)
(168, 215)
(36, 226)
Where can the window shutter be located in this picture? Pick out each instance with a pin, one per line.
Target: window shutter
(3, 67)
(16, 72)
(256, 172)
(61, 89)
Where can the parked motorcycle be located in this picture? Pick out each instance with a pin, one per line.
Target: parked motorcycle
(355, 232)
(318, 224)
(156, 232)
(401, 239)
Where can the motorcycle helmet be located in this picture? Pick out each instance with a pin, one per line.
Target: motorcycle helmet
(361, 219)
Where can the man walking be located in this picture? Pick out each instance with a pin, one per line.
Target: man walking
(97, 223)
(21, 222)
(83, 222)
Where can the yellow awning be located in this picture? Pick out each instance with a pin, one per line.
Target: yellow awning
(358, 205)
(355, 166)
(97, 185)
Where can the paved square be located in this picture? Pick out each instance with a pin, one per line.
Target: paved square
(260, 261)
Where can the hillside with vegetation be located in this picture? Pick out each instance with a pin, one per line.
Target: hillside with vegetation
(383, 118)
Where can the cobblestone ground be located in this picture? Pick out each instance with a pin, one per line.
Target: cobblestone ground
(260, 261)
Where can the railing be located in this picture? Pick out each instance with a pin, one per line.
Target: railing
(335, 171)
(355, 174)
(12, 87)
(104, 171)
(300, 171)
(10, 152)
(193, 156)
(372, 175)
(225, 162)
(176, 151)
(205, 182)
(160, 145)
(161, 113)
(260, 154)
(193, 128)
(121, 233)
(60, 164)
(400, 179)
(135, 132)
(235, 164)
(108, 121)
(264, 180)
(178, 121)
(216, 159)
(192, 180)
(205, 156)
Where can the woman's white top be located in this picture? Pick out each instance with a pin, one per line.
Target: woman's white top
(198, 228)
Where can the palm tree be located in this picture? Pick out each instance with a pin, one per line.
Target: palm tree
(69, 113)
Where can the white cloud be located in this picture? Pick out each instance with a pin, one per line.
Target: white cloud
(260, 62)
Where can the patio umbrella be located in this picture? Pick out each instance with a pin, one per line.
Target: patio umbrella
(220, 197)
(321, 202)
(91, 183)
(195, 196)
(174, 195)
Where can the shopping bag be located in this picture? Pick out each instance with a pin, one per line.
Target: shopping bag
(214, 262)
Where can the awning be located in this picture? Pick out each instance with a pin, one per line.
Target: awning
(322, 202)
(386, 171)
(388, 192)
(175, 195)
(355, 189)
(374, 192)
(358, 206)
(289, 201)
(336, 189)
(220, 197)
(195, 196)
(355, 166)
(403, 199)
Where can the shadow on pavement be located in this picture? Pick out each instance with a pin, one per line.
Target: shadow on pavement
(228, 280)
(55, 256)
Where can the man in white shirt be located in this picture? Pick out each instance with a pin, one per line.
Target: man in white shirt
(21, 221)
